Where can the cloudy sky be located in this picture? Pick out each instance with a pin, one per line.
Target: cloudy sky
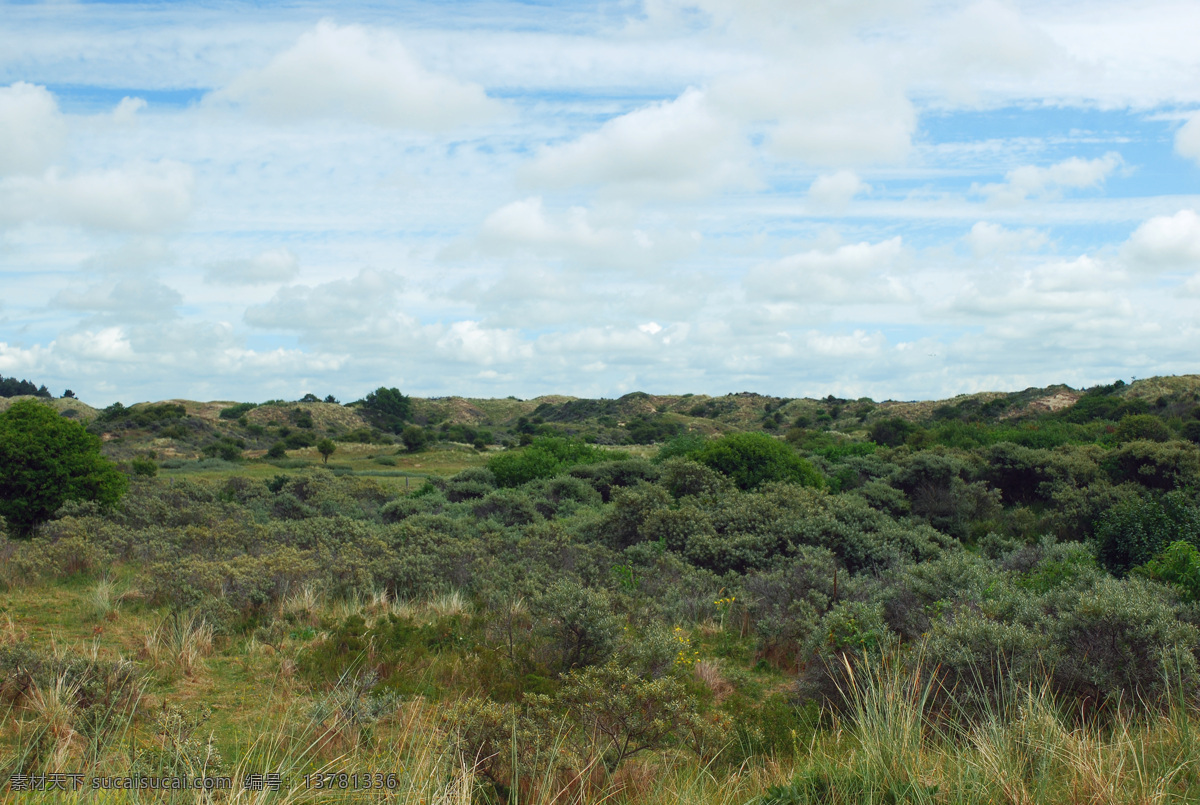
(890, 198)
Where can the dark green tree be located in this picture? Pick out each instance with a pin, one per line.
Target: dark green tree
(46, 460)
(326, 447)
(415, 438)
(388, 409)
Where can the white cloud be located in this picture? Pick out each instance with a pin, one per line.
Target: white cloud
(140, 197)
(987, 239)
(274, 265)
(833, 191)
(851, 273)
(1074, 290)
(1030, 180)
(1166, 242)
(1187, 139)
(341, 309)
(32, 130)
(109, 344)
(857, 345)
(673, 148)
(126, 300)
(126, 111)
(580, 236)
(469, 342)
(355, 72)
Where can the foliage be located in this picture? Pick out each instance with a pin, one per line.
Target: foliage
(750, 460)
(236, 411)
(1136, 530)
(45, 461)
(545, 457)
(388, 409)
(415, 438)
(11, 387)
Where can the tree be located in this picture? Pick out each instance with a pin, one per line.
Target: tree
(46, 460)
(388, 408)
(415, 438)
(326, 447)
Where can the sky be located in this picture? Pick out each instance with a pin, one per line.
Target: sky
(896, 199)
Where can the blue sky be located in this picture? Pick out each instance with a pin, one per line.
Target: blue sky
(890, 198)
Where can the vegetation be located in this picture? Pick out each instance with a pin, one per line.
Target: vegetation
(11, 387)
(993, 602)
(46, 461)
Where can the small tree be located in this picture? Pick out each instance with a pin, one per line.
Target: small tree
(415, 438)
(326, 447)
(46, 460)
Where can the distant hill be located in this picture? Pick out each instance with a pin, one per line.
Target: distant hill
(189, 429)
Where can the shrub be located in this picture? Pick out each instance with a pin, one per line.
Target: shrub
(415, 438)
(237, 411)
(1155, 465)
(578, 624)
(1142, 426)
(1135, 531)
(144, 466)
(545, 457)
(750, 460)
(1113, 639)
(1178, 565)
(47, 460)
(278, 450)
(891, 432)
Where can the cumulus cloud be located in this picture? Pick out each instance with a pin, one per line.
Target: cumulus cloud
(833, 191)
(851, 273)
(345, 306)
(988, 240)
(986, 46)
(32, 130)
(140, 197)
(126, 300)
(274, 265)
(126, 111)
(1030, 180)
(854, 115)
(1187, 139)
(526, 227)
(359, 73)
(1083, 288)
(1166, 242)
(469, 342)
(673, 148)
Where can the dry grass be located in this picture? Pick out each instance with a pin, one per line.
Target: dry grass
(180, 642)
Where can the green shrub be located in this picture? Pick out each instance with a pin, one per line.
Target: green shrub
(1155, 465)
(237, 411)
(1136, 530)
(545, 457)
(1178, 565)
(144, 466)
(750, 460)
(1112, 641)
(1142, 426)
(578, 624)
